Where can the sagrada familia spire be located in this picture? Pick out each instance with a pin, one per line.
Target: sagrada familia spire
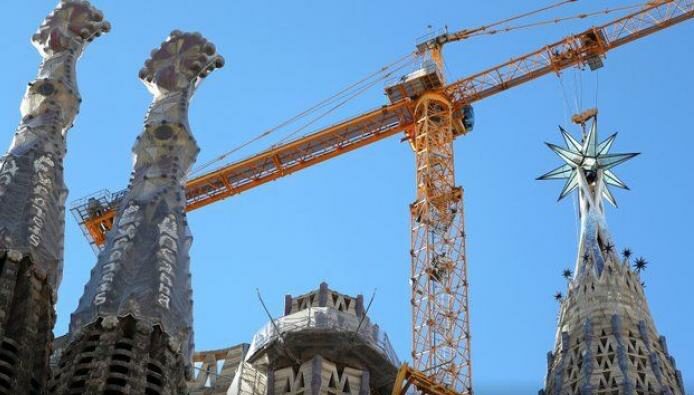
(32, 199)
(606, 340)
(132, 332)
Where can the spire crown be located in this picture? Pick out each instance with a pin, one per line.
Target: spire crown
(180, 63)
(70, 23)
(604, 320)
(588, 168)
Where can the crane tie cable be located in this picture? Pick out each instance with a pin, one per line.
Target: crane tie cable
(466, 33)
(338, 105)
(319, 105)
(558, 20)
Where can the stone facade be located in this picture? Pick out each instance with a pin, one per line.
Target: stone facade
(320, 376)
(132, 332)
(120, 356)
(215, 370)
(32, 199)
(607, 342)
(324, 344)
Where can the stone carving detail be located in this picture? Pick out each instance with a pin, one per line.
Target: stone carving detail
(352, 357)
(119, 355)
(143, 272)
(216, 370)
(32, 199)
(319, 376)
(8, 169)
(607, 341)
(325, 297)
(41, 193)
(168, 249)
(122, 242)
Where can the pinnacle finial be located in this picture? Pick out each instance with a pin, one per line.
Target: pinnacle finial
(71, 22)
(588, 164)
(179, 63)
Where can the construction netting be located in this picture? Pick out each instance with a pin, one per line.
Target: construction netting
(248, 381)
(325, 319)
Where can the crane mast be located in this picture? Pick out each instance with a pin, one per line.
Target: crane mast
(440, 314)
(432, 115)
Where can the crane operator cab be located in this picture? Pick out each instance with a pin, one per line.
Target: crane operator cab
(426, 78)
(429, 78)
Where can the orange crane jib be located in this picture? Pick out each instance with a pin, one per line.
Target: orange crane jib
(585, 49)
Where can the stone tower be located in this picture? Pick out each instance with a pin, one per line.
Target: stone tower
(132, 330)
(324, 344)
(606, 341)
(32, 199)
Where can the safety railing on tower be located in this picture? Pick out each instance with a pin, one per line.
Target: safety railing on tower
(325, 318)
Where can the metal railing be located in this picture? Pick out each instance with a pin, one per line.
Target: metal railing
(325, 319)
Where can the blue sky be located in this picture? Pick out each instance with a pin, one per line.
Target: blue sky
(346, 221)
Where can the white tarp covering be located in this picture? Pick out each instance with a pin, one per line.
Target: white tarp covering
(247, 381)
(324, 318)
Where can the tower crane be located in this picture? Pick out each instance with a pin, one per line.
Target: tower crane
(431, 114)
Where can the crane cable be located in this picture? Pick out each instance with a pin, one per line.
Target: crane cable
(605, 11)
(409, 58)
(530, 13)
(465, 33)
(338, 105)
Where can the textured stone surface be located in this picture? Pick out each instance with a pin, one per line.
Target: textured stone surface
(215, 370)
(325, 344)
(27, 317)
(319, 376)
(143, 273)
(32, 199)
(120, 356)
(32, 190)
(607, 342)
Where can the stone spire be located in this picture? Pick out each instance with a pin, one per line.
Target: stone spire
(137, 306)
(606, 340)
(32, 198)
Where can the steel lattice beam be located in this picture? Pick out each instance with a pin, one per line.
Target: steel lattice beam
(441, 333)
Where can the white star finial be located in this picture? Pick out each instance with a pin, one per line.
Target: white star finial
(592, 160)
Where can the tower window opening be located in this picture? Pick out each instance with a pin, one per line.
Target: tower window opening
(116, 381)
(119, 369)
(124, 346)
(154, 380)
(154, 368)
(120, 357)
(79, 384)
